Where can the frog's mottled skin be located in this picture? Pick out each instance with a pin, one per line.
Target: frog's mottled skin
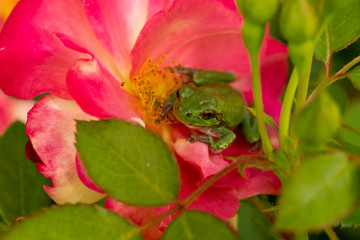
(211, 106)
(193, 102)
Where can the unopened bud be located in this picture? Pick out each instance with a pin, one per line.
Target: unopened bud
(258, 11)
(298, 20)
(317, 123)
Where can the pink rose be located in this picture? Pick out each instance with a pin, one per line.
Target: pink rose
(108, 59)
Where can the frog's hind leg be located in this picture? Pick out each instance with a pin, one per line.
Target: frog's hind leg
(202, 76)
(216, 146)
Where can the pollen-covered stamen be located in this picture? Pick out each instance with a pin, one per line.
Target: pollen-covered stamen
(153, 86)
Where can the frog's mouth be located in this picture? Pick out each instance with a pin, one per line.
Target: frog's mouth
(212, 131)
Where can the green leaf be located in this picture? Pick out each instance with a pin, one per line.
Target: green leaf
(322, 48)
(20, 183)
(354, 77)
(353, 220)
(342, 30)
(268, 119)
(351, 118)
(73, 222)
(197, 225)
(131, 164)
(252, 223)
(322, 191)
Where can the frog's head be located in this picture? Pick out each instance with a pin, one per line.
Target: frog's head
(194, 107)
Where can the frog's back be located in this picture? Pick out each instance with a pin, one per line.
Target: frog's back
(229, 100)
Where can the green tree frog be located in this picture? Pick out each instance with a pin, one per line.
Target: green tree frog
(209, 105)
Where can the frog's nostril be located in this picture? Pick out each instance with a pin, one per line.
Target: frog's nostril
(188, 114)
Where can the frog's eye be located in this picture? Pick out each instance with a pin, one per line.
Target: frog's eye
(208, 114)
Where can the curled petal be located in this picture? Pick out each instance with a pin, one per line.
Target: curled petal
(28, 42)
(51, 126)
(98, 93)
(197, 154)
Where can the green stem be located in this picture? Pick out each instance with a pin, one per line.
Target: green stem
(347, 66)
(350, 128)
(253, 35)
(331, 234)
(259, 108)
(304, 74)
(287, 106)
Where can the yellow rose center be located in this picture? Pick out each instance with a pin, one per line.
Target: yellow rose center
(153, 86)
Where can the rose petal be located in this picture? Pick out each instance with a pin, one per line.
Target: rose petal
(138, 215)
(259, 182)
(197, 154)
(117, 24)
(27, 43)
(183, 23)
(221, 202)
(51, 129)
(82, 173)
(98, 93)
(6, 6)
(157, 5)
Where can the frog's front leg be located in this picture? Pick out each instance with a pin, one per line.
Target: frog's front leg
(226, 137)
(168, 106)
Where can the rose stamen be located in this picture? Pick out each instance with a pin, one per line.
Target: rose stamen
(154, 84)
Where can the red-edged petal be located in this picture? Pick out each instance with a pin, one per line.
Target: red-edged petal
(259, 182)
(51, 127)
(33, 60)
(186, 22)
(98, 93)
(138, 215)
(82, 173)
